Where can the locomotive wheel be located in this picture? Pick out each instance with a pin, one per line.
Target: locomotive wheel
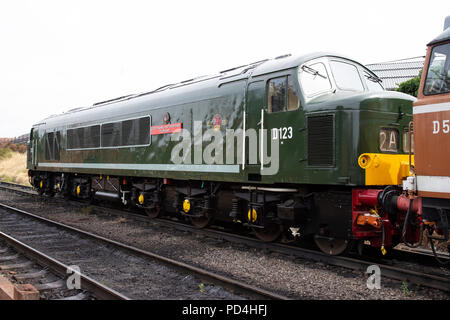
(332, 246)
(202, 222)
(269, 233)
(154, 212)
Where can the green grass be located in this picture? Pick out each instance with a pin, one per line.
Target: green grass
(8, 179)
(405, 289)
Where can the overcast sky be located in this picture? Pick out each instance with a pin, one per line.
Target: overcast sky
(56, 55)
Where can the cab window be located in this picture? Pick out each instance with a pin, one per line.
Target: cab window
(346, 76)
(282, 95)
(373, 83)
(438, 74)
(314, 79)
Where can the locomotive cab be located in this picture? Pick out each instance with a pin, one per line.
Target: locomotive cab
(366, 120)
(432, 138)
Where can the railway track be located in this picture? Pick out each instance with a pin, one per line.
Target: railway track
(24, 264)
(28, 190)
(111, 261)
(426, 279)
(394, 272)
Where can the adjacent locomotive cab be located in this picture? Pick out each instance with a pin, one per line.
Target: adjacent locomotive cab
(432, 137)
(417, 199)
(432, 121)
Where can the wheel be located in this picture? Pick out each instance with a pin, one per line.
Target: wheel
(202, 222)
(269, 233)
(331, 246)
(154, 212)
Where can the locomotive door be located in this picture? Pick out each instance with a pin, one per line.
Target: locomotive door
(273, 105)
(254, 107)
(33, 149)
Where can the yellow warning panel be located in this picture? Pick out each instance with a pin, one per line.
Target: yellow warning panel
(385, 169)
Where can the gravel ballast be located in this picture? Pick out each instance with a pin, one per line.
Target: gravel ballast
(293, 277)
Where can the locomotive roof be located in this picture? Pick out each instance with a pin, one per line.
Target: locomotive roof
(254, 69)
(444, 36)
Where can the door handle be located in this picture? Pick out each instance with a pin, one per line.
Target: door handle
(243, 143)
(262, 139)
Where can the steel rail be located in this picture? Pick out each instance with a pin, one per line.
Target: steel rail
(397, 273)
(99, 290)
(15, 185)
(224, 281)
(419, 278)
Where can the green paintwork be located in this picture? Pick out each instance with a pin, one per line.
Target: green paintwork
(358, 118)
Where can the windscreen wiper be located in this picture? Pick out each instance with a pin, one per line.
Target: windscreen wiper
(313, 71)
(373, 78)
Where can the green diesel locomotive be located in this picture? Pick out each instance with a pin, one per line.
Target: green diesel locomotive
(271, 145)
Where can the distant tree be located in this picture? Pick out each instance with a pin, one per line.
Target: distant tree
(410, 86)
(14, 147)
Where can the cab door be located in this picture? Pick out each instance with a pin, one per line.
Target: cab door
(274, 106)
(33, 154)
(30, 150)
(285, 123)
(254, 106)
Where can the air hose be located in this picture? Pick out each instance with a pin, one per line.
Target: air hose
(383, 232)
(404, 228)
(383, 236)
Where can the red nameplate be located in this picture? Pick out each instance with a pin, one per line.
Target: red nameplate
(166, 128)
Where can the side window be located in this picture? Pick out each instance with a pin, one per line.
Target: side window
(111, 134)
(136, 132)
(82, 138)
(346, 76)
(72, 139)
(276, 89)
(92, 137)
(293, 101)
(281, 95)
(143, 132)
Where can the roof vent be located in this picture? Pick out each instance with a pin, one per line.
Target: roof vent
(283, 56)
(75, 109)
(111, 100)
